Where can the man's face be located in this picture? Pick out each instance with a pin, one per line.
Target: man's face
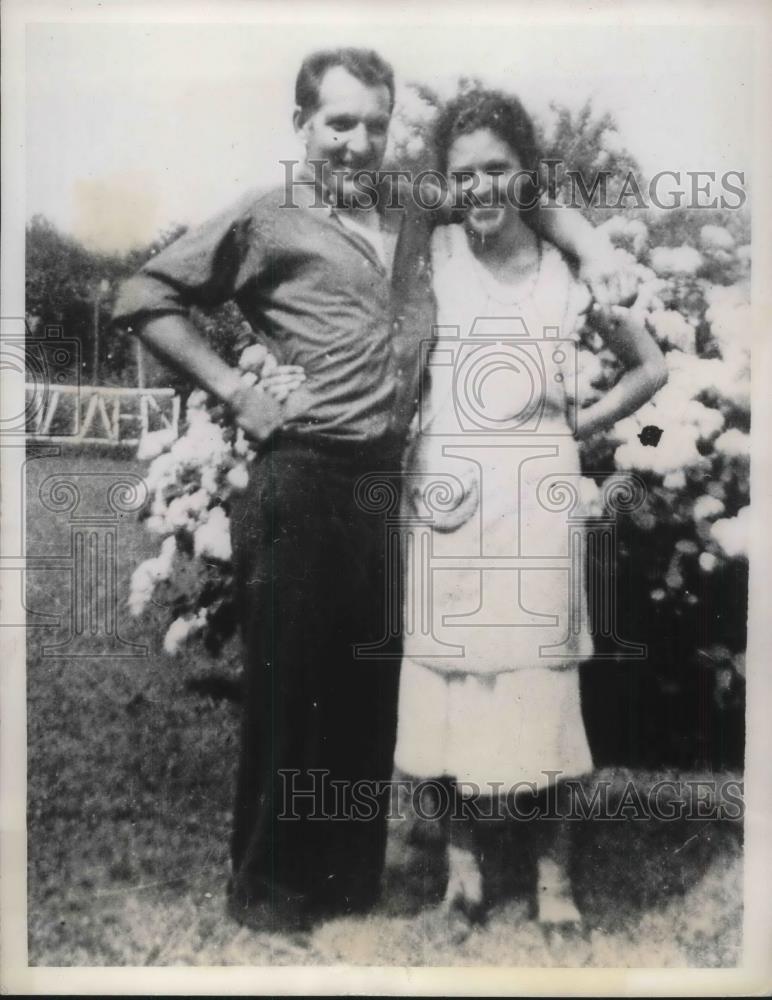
(349, 129)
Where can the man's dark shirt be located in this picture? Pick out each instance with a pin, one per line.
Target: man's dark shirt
(318, 294)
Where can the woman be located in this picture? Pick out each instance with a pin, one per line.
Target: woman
(489, 690)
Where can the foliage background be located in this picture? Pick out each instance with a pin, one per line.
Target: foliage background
(130, 762)
(682, 559)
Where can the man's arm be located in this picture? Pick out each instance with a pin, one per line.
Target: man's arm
(568, 229)
(176, 340)
(606, 272)
(204, 267)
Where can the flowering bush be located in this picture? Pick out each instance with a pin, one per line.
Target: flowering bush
(681, 561)
(190, 483)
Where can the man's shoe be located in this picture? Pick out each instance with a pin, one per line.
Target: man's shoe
(277, 914)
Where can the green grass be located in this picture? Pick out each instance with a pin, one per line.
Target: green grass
(130, 785)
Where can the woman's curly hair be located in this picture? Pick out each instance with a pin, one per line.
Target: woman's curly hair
(504, 115)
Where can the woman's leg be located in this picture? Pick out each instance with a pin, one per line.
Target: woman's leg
(463, 902)
(554, 898)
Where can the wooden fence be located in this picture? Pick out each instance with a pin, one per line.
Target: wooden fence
(90, 414)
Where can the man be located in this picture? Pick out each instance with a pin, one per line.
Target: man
(343, 290)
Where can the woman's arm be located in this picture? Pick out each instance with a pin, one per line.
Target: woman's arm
(646, 372)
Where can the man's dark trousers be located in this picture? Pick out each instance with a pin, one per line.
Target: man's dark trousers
(314, 579)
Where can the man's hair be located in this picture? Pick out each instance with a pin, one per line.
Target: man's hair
(363, 64)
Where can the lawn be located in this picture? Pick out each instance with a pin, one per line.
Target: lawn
(130, 770)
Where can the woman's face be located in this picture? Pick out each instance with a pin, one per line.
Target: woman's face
(487, 166)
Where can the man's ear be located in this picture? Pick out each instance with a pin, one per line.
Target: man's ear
(297, 119)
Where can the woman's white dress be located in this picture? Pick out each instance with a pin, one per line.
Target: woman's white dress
(496, 610)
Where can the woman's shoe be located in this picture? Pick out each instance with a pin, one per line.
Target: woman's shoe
(555, 906)
(462, 906)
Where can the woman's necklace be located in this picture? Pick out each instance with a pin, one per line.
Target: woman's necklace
(506, 293)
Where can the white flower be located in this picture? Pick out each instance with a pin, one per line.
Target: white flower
(181, 629)
(202, 445)
(240, 445)
(156, 524)
(590, 497)
(212, 539)
(631, 234)
(706, 419)
(153, 443)
(716, 237)
(690, 375)
(729, 315)
(676, 260)
(148, 574)
(733, 443)
(674, 480)
(672, 328)
(163, 472)
(238, 477)
(677, 450)
(187, 510)
(165, 560)
(706, 507)
(141, 586)
(728, 295)
(252, 358)
(197, 401)
(731, 533)
(650, 294)
(707, 562)
(209, 479)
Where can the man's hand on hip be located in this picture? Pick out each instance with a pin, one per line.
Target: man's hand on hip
(257, 412)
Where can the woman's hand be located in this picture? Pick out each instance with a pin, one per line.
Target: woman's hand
(624, 332)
